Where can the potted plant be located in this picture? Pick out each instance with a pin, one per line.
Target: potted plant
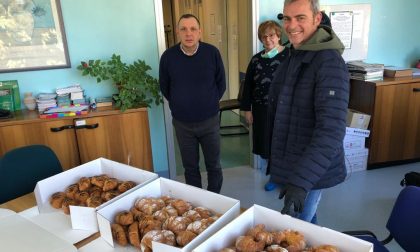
(136, 87)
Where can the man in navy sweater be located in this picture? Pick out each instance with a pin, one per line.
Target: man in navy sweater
(192, 79)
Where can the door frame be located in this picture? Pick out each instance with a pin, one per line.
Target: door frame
(160, 33)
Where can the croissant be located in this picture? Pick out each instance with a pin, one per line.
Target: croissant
(125, 186)
(84, 183)
(149, 205)
(165, 213)
(124, 218)
(192, 215)
(71, 190)
(99, 180)
(275, 248)
(110, 184)
(134, 235)
(56, 199)
(81, 196)
(230, 249)
(93, 201)
(108, 195)
(323, 248)
(67, 202)
(184, 237)
(200, 225)
(118, 233)
(148, 223)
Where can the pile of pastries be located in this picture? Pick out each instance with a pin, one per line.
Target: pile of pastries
(259, 239)
(90, 192)
(167, 220)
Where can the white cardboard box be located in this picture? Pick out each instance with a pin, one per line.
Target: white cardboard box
(228, 207)
(273, 220)
(85, 217)
(353, 142)
(357, 132)
(356, 159)
(18, 234)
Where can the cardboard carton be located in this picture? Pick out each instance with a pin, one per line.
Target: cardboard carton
(273, 220)
(228, 207)
(85, 217)
(356, 159)
(353, 142)
(18, 234)
(356, 119)
(357, 132)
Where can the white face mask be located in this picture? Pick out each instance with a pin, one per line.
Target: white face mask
(273, 52)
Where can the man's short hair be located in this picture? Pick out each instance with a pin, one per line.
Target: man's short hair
(314, 5)
(188, 15)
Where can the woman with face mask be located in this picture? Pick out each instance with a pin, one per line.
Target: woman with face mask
(258, 78)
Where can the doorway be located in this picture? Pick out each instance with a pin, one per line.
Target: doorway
(229, 25)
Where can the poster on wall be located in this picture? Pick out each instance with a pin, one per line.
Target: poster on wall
(32, 36)
(351, 24)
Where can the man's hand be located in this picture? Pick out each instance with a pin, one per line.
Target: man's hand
(293, 196)
(249, 118)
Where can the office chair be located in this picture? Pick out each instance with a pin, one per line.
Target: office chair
(231, 105)
(23, 167)
(403, 223)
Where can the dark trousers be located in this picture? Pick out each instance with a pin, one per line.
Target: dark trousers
(205, 134)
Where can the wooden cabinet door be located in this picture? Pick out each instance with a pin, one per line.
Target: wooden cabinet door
(124, 138)
(395, 127)
(62, 141)
(412, 137)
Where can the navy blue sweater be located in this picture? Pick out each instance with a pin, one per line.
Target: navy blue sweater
(193, 85)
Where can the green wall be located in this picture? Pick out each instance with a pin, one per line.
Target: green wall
(393, 35)
(96, 29)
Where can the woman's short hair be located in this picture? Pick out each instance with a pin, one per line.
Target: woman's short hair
(269, 24)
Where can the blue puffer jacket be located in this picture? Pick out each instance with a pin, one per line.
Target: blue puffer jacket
(308, 106)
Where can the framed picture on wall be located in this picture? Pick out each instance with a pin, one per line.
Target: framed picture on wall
(32, 36)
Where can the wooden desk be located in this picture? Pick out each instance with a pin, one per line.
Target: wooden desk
(22, 203)
(28, 201)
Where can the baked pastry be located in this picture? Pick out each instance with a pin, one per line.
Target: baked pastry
(293, 240)
(56, 199)
(99, 180)
(260, 234)
(148, 223)
(149, 205)
(200, 225)
(71, 190)
(162, 236)
(137, 214)
(184, 237)
(204, 212)
(247, 243)
(95, 191)
(192, 215)
(110, 184)
(181, 206)
(134, 235)
(65, 205)
(94, 201)
(119, 234)
(108, 195)
(124, 218)
(84, 183)
(323, 248)
(125, 186)
(230, 249)
(176, 224)
(165, 213)
(275, 248)
(81, 197)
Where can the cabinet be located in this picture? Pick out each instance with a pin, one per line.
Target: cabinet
(122, 137)
(394, 106)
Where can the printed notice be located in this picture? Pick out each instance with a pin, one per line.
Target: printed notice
(342, 24)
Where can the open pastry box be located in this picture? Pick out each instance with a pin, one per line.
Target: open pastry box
(228, 208)
(273, 220)
(85, 217)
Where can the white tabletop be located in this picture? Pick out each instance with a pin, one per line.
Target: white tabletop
(6, 212)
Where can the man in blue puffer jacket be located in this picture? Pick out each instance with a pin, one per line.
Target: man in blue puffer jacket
(308, 105)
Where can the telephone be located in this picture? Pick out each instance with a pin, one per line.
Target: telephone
(5, 113)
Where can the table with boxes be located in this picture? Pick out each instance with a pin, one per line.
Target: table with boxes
(49, 229)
